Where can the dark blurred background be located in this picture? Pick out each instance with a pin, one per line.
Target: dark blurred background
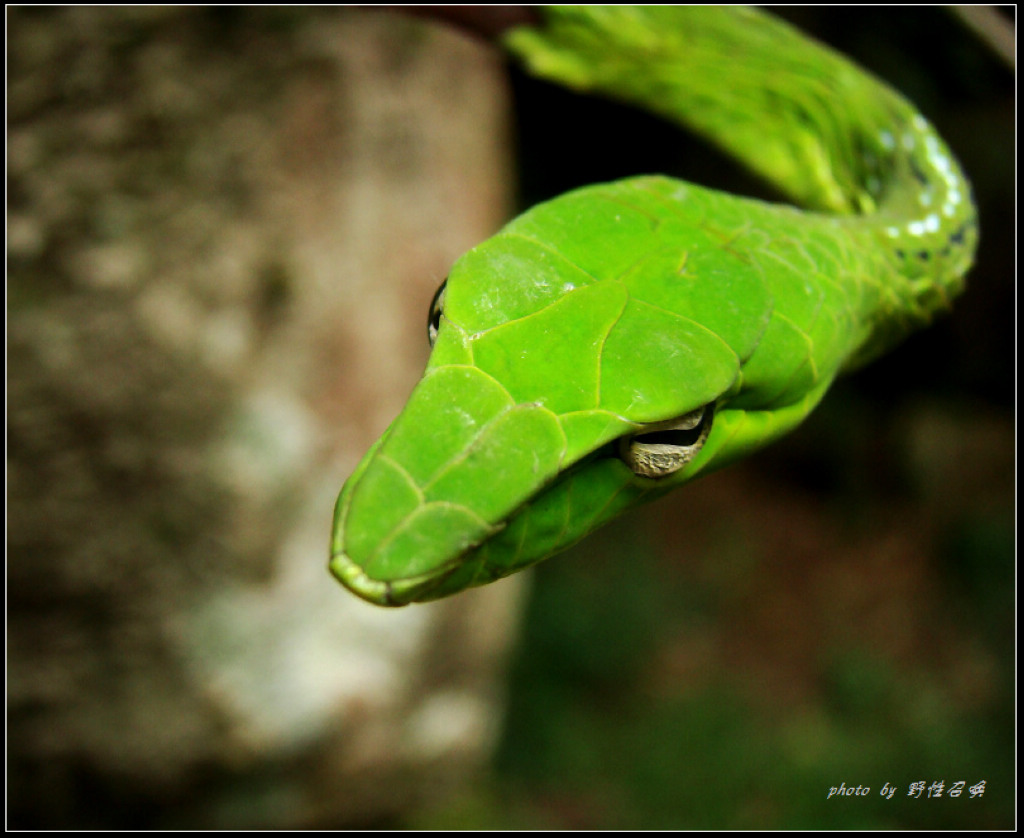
(204, 205)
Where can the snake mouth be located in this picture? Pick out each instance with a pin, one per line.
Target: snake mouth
(541, 518)
(392, 594)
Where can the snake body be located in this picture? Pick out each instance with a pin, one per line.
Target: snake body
(611, 344)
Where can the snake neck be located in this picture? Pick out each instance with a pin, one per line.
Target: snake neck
(925, 223)
(829, 135)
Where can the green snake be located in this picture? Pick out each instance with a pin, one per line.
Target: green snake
(610, 345)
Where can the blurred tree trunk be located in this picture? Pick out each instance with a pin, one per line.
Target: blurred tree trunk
(224, 229)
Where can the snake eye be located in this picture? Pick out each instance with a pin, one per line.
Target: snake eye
(668, 446)
(436, 307)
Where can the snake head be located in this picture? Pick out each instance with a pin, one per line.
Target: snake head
(599, 351)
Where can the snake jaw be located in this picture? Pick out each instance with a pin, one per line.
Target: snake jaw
(393, 593)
